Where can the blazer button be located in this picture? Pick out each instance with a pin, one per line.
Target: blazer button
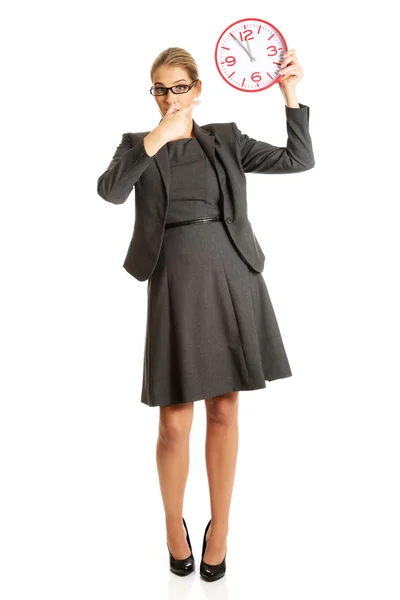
(229, 219)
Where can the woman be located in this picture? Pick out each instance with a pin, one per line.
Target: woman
(211, 328)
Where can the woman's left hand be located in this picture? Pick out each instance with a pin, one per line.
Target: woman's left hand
(291, 71)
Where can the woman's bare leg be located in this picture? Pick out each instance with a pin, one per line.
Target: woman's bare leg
(173, 468)
(222, 442)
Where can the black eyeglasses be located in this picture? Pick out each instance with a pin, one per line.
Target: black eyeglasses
(175, 89)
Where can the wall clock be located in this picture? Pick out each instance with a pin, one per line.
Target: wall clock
(249, 53)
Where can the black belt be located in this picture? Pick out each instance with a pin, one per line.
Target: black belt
(190, 221)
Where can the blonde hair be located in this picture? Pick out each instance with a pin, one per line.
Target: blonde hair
(177, 57)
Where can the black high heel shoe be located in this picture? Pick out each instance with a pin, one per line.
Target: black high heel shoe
(211, 572)
(183, 566)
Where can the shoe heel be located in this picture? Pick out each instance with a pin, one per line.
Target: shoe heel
(183, 566)
(211, 572)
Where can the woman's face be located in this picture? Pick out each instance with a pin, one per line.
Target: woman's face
(166, 76)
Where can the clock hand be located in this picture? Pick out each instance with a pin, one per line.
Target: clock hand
(241, 45)
(248, 48)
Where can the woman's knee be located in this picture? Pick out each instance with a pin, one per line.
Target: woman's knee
(223, 409)
(175, 422)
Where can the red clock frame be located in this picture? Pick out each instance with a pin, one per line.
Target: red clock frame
(223, 33)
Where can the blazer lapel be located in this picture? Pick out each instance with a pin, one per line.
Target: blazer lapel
(206, 141)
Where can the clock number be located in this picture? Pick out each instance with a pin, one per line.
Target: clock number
(255, 75)
(230, 61)
(273, 50)
(247, 32)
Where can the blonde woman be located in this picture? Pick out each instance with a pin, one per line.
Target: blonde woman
(211, 327)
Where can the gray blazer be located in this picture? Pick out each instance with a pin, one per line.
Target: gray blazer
(232, 154)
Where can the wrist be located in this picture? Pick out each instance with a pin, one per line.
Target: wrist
(159, 132)
(153, 141)
(290, 98)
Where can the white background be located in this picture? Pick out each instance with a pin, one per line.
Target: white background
(315, 504)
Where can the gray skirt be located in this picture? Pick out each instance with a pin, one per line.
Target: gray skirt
(211, 327)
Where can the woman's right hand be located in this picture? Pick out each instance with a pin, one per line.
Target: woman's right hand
(175, 123)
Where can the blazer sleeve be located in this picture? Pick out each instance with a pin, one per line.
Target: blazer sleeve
(127, 165)
(297, 156)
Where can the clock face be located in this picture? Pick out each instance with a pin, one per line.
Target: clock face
(249, 53)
